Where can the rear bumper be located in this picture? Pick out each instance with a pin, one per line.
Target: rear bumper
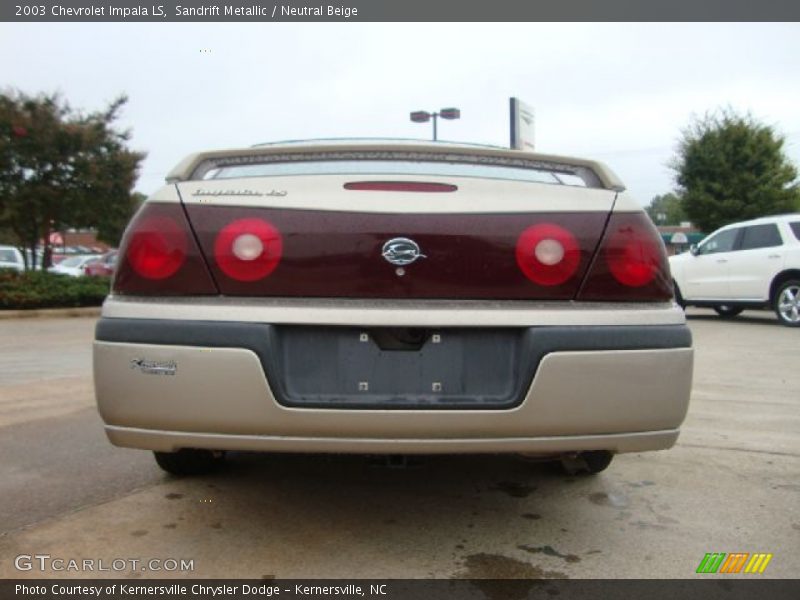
(609, 394)
(169, 441)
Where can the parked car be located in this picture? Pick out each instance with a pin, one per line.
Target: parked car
(74, 265)
(391, 298)
(34, 258)
(753, 264)
(11, 258)
(103, 266)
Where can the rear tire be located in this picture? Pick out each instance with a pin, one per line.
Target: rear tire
(591, 462)
(189, 461)
(727, 311)
(787, 303)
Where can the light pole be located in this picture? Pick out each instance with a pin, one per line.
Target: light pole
(422, 116)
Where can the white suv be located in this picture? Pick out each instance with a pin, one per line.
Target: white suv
(754, 264)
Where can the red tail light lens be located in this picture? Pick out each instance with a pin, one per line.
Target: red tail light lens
(399, 186)
(157, 248)
(248, 249)
(548, 254)
(633, 259)
(631, 264)
(159, 256)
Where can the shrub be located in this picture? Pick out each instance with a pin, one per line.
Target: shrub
(37, 289)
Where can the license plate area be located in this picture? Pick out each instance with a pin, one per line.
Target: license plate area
(400, 368)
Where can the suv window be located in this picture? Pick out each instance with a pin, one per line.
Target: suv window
(761, 236)
(795, 229)
(721, 242)
(8, 256)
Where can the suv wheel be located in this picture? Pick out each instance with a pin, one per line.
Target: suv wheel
(727, 311)
(188, 461)
(787, 303)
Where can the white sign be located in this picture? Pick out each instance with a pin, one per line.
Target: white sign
(522, 126)
(679, 238)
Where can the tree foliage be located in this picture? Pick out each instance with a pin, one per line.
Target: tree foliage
(667, 209)
(731, 168)
(61, 168)
(111, 226)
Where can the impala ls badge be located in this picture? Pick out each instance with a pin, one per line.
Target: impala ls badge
(155, 367)
(402, 251)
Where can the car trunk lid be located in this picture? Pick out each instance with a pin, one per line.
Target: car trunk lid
(397, 235)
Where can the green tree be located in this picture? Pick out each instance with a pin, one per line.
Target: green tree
(732, 168)
(62, 168)
(666, 209)
(111, 224)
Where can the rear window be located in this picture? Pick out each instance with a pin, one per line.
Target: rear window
(396, 162)
(761, 236)
(795, 229)
(379, 167)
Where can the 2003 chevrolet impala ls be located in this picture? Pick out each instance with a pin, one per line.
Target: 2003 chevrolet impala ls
(388, 297)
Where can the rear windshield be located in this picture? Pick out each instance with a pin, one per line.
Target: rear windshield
(398, 163)
(396, 168)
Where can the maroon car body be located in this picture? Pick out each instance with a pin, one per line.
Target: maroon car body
(102, 267)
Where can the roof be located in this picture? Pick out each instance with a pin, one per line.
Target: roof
(767, 219)
(771, 218)
(193, 164)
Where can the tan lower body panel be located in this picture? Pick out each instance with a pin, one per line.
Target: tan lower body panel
(622, 400)
(168, 441)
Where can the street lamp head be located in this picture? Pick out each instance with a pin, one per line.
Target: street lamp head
(420, 116)
(423, 116)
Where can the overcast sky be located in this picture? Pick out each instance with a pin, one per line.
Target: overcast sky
(617, 93)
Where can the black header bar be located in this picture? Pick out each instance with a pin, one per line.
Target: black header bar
(735, 587)
(158, 11)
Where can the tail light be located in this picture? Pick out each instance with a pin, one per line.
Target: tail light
(548, 254)
(157, 247)
(248, 249)
(159, 255)
(631, 263)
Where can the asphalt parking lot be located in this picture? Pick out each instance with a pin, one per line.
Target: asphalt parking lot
(732, 484)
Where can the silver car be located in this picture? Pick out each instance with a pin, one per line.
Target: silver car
(11, 258)
(74, 265)
(391, 298)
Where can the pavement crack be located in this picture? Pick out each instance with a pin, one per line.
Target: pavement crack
(746, 450)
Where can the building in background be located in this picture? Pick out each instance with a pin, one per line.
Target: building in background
(678, 238)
